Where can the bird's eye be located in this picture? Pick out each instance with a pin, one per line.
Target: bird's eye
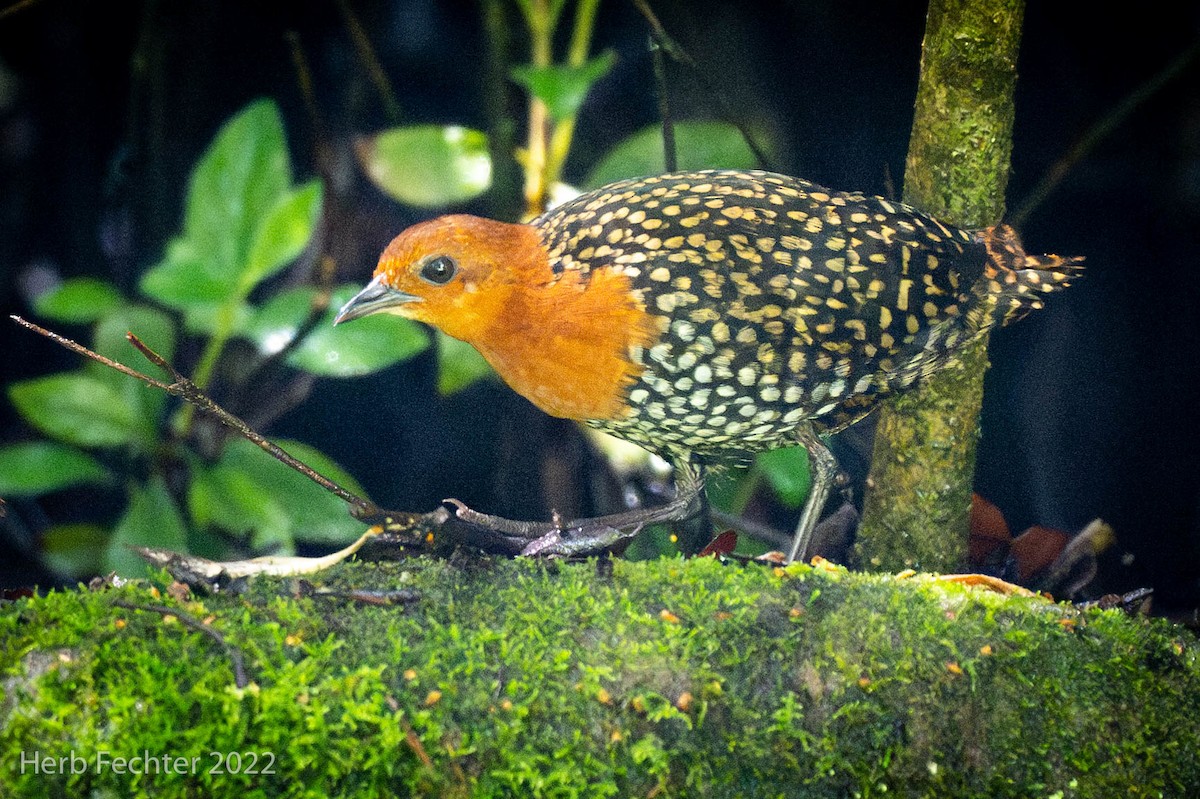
(439, 270)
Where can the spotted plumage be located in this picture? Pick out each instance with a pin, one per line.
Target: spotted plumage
(776, 301)
(713, 312)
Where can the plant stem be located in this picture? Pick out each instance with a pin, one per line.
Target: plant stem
(564, 130)
(541, 33)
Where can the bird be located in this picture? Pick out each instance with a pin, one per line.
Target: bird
(713, 314)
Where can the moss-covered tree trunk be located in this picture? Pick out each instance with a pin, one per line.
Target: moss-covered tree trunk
(918, 504)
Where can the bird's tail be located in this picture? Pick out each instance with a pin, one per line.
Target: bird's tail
(1022, 279)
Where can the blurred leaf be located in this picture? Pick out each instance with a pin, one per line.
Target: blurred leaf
(429, 166)
(241, 177)
(248, 491)
(152, 520)
(277, 322)
(74, 550)
(364, 346)
(562, 87)
(77, 408)
(227, 497)
(39, 467)
(79, 300)
(787, 472)
(207, 319)
(154, 328)
(459, 364)
(656, 541)
(183, 278)
(282, 234)
(699, 145)
(725, 487)
(241, 220)
(317, 516)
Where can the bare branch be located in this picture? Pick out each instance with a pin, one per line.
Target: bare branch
(189, 392)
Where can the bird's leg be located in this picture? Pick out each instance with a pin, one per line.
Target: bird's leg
(585, 536)
(823, 468)
(695, 534)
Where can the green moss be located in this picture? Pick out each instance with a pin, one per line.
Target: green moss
(522, 678)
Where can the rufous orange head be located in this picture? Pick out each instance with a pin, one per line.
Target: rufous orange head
(455, 272)
(564, 340)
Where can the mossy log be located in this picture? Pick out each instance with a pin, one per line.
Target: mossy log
(527, 678)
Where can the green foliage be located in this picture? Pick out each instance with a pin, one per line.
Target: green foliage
(787, 471)
(366, 346)
(245, 491)
(429, 166)
(245, 220)
(459, 364)
(700, 145)
(79, 301)
(563, 87)
(39, 467)
(76, 408)
(151, 520)
(668, 678)
(74, 551)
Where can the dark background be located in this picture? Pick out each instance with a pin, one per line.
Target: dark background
(1089, 410)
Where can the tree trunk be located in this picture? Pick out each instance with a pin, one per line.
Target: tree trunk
(919, 488)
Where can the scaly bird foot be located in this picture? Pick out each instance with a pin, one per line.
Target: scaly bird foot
(580, 537)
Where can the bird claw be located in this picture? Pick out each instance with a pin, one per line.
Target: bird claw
(577, 538)
(556, 538)
(579, 541)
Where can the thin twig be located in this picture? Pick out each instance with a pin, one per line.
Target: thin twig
(82, 350)
(1099, 132)
(670, 156)
(366, 54)
(189, 392)
(15, 7)
(681, 56)
(187, 620)
(305, 83)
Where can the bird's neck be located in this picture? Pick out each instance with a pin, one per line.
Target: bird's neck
(567, 344)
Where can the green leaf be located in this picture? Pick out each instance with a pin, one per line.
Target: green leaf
(227, 497)
(151, 520)
(459, 365)
(74, 550)
(79, 300)
(282, 234)
(152, 326)
(429, 166)
(787, 471)
(77, 408)
(241, 220)
(350, 350)
(185, 278)
(699, 145)
(248, 491)
(39, 467)
(157, 331)
(563, 87)
(317, 515)
(241, 177)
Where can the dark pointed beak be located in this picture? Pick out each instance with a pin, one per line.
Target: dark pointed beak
(375, 297)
